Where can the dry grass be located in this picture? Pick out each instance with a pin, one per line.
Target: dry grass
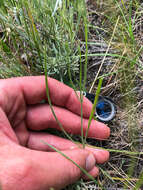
(124, 84)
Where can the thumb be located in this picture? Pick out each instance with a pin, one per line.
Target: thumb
(57, 171)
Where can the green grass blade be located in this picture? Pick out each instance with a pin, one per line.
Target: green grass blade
(81, 97)
(130, 22)
(139, 182)
(86, 52)
(94, 106)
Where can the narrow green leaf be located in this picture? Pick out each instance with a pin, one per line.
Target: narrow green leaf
(94, 106)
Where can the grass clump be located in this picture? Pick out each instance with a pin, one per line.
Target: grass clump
(26, 26)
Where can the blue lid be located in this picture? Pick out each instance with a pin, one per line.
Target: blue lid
(105, 108)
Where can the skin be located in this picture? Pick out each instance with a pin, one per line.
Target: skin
(26, 162)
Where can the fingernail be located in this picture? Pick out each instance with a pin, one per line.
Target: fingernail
(90, 162)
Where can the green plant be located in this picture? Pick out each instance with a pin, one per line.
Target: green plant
(25, 26)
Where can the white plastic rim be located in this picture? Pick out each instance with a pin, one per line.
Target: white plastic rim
(112, 114)
(113, 109)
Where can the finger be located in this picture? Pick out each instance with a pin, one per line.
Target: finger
(36, 142)
(5, 128)
(41, 117)
(22, 133)
(56, 171)
(33, 90)
(94, 173)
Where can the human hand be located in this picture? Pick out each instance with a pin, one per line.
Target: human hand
(26, 162)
